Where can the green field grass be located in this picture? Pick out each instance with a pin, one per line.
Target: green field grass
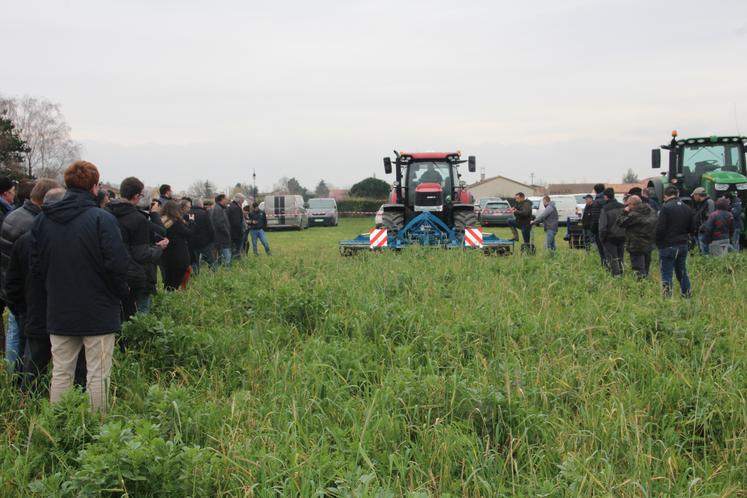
(423, 373)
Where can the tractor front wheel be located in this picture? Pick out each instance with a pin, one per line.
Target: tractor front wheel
(393, 221)
(464, 219)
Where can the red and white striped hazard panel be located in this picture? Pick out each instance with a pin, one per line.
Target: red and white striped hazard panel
(473, 237)
(377, 238)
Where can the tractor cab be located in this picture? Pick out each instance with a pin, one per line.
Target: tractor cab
(715, 163)
(427, 181)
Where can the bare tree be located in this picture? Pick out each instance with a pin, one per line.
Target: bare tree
(42, 126)
(202, 188)
(630, 176)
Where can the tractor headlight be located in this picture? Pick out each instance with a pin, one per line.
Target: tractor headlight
(742, 186)
(721, 186)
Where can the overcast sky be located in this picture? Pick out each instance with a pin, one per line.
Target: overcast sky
(175, 91)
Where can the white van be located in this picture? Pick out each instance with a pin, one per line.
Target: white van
(565, 204)
(286, 211)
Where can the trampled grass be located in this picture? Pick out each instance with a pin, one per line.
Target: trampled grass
(425, 373)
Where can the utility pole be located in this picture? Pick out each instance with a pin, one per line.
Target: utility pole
(531, 175)
(254, 184)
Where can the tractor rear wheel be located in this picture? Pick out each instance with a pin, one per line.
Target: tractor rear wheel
(393, 221)
(464, 219)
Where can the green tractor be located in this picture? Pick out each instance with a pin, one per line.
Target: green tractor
(715, 163)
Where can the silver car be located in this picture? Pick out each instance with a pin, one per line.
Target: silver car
(322, 211)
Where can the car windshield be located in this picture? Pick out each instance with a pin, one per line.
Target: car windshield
(321, 203)
(579, 199)
(428, 172)
(536, 204)
(696, 160)
(496, 205)
(483, 202)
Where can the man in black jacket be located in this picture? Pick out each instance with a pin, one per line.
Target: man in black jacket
(673, 229)
(596, 209)
(77, 250)
(522, 218)
(639, 221)
(136, 237)
(257, 225)
(611, 234)
(16, 224)
(201, 242)
(235, 213)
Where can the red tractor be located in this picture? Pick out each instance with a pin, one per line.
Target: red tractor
(429, 182)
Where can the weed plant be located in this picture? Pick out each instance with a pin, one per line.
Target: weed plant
(423, 373)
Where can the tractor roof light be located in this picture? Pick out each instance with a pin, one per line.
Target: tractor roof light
(741, 186)
(721, 186)
(674, 133)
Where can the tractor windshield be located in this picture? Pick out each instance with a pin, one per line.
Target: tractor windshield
(428, 172)
(697, 159)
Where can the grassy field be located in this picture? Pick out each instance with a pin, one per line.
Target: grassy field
(425, 373)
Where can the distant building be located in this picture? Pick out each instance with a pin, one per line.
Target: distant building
(339, 194)
(587, 188)
(500, 186)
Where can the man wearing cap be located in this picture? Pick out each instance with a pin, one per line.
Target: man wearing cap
(703, 206)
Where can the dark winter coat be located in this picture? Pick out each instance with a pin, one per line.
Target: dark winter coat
(135, 232)
(26, 295)
(586, 218)
(221, 230)
(702, 210)
(235, 214)
(640, 228)
(257, 220)
(718, 226)
(176, 257)
(609, 230)
(77, 249)
(596, 210)
(202, 232)
(16, 224)
(523, 213)
(674, 225)
(156, 232)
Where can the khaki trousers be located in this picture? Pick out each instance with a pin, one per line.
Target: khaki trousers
(99, 350)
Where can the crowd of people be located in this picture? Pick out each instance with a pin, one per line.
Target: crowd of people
(639, 224)
(110, 248)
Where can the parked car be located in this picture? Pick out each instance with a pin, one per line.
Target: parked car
(536, 205)
(286, 211)
(480, 204)
(322, 211)
(496, 213)
(379, 218)
(565, 204)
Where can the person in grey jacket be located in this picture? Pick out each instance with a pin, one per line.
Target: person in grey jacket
(549, 220)
(221, 229)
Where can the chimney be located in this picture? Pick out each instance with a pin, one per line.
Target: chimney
(482, 174)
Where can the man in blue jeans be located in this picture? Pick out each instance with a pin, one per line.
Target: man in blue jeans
(257, 225)
(549, 220)
(673, 229)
